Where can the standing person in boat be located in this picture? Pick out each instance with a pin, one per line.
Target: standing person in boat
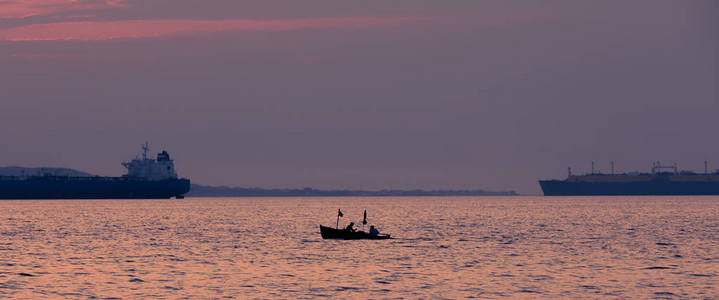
(373, 232)
(350, 227)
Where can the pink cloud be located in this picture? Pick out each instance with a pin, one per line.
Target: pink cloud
(14, 9)
(108, 30)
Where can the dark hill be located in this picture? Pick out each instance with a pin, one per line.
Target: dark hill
(22, 171)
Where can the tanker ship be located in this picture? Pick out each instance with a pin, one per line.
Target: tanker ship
(146, 178)
(662, 180)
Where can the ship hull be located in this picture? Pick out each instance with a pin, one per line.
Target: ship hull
(653, 187)
(50, 187)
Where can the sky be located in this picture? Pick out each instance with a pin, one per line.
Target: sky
(361, 94)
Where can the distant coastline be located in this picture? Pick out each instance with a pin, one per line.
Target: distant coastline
(23, 171)
(223, 191)
(197, 190)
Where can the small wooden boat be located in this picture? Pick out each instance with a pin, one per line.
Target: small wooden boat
(341, 234)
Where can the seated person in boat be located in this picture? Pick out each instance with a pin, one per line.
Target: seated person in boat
(373, 231)
(350, 227)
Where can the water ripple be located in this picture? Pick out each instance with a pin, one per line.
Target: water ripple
(445, 248)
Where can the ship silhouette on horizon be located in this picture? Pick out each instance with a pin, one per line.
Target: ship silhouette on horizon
(663, 180)
(146, 178)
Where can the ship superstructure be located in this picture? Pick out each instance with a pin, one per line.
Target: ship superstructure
(150, 169)
(662, 180)
(145, 178)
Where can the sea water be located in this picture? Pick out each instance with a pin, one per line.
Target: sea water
(442, 247)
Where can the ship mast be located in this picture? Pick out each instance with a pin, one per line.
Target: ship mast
(145, 148)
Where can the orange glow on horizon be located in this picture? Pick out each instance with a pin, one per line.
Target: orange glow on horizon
(28, 8)
(108, 30)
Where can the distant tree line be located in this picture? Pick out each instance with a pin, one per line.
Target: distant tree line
(223, 191)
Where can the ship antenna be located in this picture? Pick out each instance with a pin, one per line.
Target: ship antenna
(612, 163)
(145, 148)
(592, 167)
(705, 167)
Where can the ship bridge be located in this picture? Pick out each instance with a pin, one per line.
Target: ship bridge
(161, 168)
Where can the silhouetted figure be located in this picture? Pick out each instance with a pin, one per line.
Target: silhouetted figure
(350, 227)
(373, 231)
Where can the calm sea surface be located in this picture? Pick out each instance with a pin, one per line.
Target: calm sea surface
(445, 247)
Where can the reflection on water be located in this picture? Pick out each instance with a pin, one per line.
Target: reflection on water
(449, 247)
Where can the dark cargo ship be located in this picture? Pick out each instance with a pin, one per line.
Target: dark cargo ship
(145, 179)
(663, 180)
